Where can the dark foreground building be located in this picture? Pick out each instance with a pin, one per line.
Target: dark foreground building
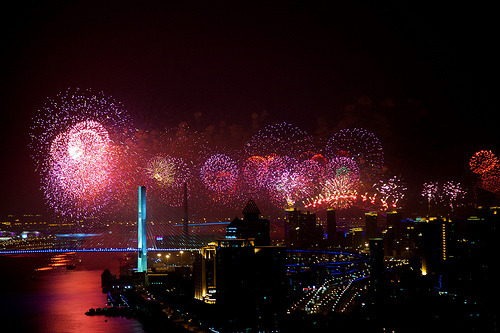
(302, 230)
(242, 276)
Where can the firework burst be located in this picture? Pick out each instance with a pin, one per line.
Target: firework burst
(430, 191)
(340, 185)
(74, 139)
(361, 146)
(391, 192)
(168, 174)
(452, 192)
(281, 139)
(486, 164)
(219, 174)
(483, 161)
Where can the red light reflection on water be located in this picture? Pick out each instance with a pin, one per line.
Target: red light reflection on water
(56, 299)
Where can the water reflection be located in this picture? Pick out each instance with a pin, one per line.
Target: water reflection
(40, 294)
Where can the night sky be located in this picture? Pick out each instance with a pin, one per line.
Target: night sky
(420, 77)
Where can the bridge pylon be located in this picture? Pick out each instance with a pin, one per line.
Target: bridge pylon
(142, 255)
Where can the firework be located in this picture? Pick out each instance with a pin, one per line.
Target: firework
(74, 142)
(340, 184)
(315, 172)
(361, 146)
(483, 161)
(78, 169)
(288, 180)
(167, 171)
(281, 139)
(168, 174)
(391, 191)
(490, 181)
(219, 173)
(430, 191)
(343, 167)
(453, 191)
(255, 173)
(342, 180)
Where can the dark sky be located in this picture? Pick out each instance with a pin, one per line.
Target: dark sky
(420, 77)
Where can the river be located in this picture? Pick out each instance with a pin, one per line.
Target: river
(38, 294)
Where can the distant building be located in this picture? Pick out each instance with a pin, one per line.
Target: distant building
(393, 219)
(354, 238)
(301, 230)
(204, 270)
(331, 227)
(376, 258)
(371, 228)
(250, 227)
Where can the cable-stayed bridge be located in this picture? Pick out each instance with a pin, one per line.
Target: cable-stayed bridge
(160, 228)
(119, 237)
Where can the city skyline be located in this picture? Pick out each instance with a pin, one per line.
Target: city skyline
(412, 76)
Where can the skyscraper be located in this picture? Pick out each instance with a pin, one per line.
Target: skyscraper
(331, 227)
(242, 275)
(251, 226)
(301, 230)
(371, 230)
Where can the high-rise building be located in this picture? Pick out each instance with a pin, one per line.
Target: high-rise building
(331, 227)
(245, 281)
(250, 282)
(354, 238)
(251, 226)
(301, 230)
(371, 230)
(377, 271)
(393, 219)
(205, 280)
(434, 244)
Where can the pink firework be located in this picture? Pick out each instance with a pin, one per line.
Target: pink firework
(219, 174)
(452, 192)
(391, 191)
(282, 139)
(255, 173)
(430, 191)
(80, 167)
(340, 186)
(75, 140)
(361, 146)
(288, 180)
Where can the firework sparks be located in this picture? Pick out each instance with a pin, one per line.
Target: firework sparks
(281, 139)
(340, 188)
(483, 161)
(169, 174)
(73, 141)
(452, 192)
(361, 146)
(219, 173)
(391, 191)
